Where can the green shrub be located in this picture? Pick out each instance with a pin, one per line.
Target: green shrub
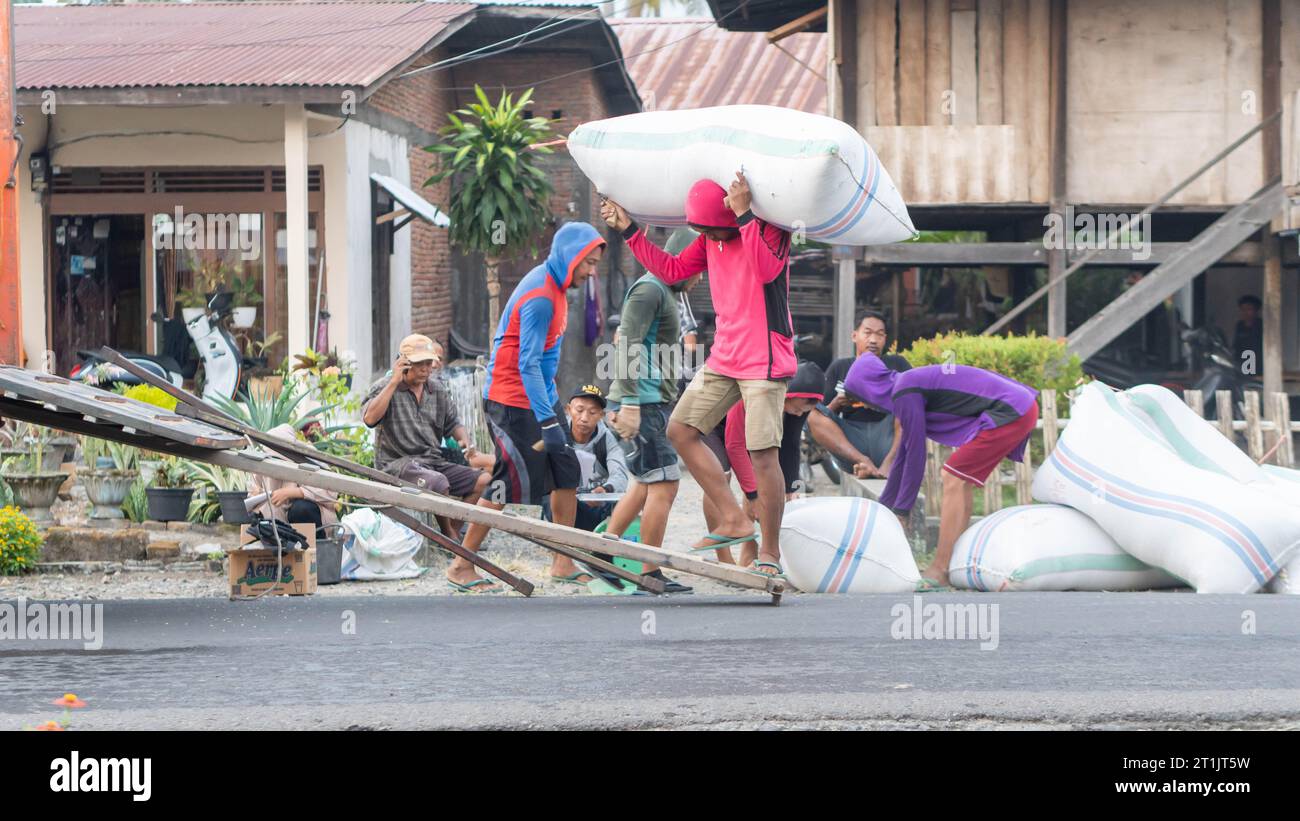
(20, 542)
(151, 396)
(1038, 361)
(136, 504)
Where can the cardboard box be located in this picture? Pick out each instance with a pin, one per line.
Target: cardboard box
(252, 567)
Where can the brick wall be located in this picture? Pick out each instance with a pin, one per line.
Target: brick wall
(425, 100)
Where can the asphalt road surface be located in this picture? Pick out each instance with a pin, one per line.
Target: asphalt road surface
(1061, 660)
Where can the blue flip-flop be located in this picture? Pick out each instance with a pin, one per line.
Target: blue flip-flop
(723, 541)
(779, 574)
(471, 587)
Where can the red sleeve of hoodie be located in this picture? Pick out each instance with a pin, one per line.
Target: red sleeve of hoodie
(737, 452)
(767, 247)
(664, 265)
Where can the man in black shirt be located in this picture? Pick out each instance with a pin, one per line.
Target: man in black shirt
(1249, 335)
(861, 438)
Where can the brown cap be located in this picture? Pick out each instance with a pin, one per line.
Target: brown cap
(418, 348)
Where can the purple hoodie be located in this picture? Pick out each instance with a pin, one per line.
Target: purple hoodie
(950, 404)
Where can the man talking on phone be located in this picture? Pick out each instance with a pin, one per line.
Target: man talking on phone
(413, 413)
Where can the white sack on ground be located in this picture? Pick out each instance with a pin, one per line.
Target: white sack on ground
(806, 171)
(1046, 547)
(1201, 443)
(844, 544)
(377, 548)
(1216, 533)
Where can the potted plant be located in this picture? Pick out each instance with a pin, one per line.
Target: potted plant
(170, 492)
(20, 542)
(111, 469)
(247, 297)
(209, 279)
(34, 488)
(228, 485)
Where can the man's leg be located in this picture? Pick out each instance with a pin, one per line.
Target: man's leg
(426, 477)
(564, 510)
(954, 518)
(627, 509)
(461, 571)
(704, 466)
(831, 436)
(304, 511)
(771, 507)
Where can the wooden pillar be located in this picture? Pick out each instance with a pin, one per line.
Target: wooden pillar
(1056, 257)
(295, 194)
(1271, 151)
(846, 282)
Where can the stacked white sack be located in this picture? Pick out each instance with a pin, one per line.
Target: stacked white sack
(807, 172)
(1287, 481)
(843, 544)
(1046, 547)
(1199, 442)
(1214, 532)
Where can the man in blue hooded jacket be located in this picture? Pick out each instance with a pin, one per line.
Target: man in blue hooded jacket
(522, 404)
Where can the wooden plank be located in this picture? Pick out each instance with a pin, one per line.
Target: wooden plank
(1195, 400)
(885, 50)
(1254, 434)
(911, 62)
(797, 25)
(933, 478)
(1223, 405)
(1285, 456)
(1024, 481)
(865, 59)
(965, 70)
(989, 56)
(1038, 97)
(993, 491)
(1051, 425)
(938, 63)
(1015, 70)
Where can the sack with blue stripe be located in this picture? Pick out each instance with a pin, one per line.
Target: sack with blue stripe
(1046, 547)
(808, 172)
(1200, 442)
(1157, 496)
(842, 544)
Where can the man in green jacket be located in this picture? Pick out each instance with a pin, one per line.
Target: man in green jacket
(647, 364)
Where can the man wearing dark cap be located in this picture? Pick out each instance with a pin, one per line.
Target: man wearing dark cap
(604, 470)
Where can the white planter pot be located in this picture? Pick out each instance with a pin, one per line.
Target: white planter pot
(189, 314)
(107, 490)
(244, 316)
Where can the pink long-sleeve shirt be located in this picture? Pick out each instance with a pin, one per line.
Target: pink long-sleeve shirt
(749, 283)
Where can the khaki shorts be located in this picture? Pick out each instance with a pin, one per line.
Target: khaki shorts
(710, 395)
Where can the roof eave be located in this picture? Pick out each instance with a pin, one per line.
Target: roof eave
(189, 95)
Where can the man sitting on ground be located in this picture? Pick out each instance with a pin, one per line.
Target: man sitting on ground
(604, 469)
(413, 413)
(862, 439)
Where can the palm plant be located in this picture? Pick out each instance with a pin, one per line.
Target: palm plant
(265, 412)
(499, 198)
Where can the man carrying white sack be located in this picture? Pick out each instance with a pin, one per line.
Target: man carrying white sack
(985, 415)
(751, 359)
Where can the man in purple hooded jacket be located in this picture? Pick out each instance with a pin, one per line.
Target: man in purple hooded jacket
(985, 415)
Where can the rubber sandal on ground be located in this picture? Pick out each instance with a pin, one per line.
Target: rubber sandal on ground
(929, 585)
(476, 586)
(753, 568)
(573, 578)
(723, 541)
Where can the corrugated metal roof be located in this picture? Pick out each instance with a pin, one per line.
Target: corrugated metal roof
(221, 44)
(691, 63)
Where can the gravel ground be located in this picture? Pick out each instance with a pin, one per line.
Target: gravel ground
(141, 581)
